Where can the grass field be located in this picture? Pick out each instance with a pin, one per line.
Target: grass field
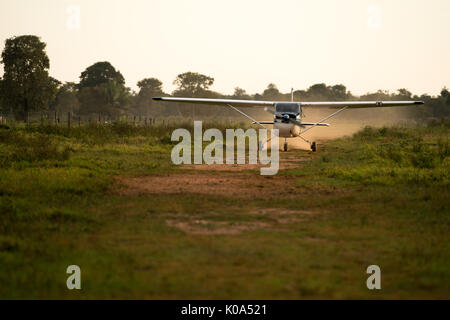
(108, 199)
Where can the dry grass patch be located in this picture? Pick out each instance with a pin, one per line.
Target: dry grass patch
(236, 185)
(275, 218)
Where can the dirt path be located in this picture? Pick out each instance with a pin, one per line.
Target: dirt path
(288, 160)
(233, 181)
(241, 181)
(224, 184)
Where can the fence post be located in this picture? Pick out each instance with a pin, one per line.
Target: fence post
(68, 120)
(79, 121)
(134, 120)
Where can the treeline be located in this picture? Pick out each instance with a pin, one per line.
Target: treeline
(27, 87)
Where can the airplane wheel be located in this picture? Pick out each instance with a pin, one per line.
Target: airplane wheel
(313, 147)
(285, 147)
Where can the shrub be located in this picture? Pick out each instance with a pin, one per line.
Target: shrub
(17, 147)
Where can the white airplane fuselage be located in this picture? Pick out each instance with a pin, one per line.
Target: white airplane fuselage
(283, 113)
(286, 130)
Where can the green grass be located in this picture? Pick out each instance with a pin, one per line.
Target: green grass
(380, 197)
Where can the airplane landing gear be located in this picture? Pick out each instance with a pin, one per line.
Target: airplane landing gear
(285, 145)
(313, 147)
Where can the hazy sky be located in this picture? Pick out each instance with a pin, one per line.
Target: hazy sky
(364, 44)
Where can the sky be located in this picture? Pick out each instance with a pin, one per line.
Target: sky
(364, 44)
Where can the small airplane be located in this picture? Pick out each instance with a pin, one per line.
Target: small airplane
(287, 116)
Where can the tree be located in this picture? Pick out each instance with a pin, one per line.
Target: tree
(149, 88)
(102, 90)
(240, 93)
(300, 95)
(440, 106)
(403, 94)
(272, 92)
(109, 99)
(66, 99)
(318, 91)
(192, 84)
(380, 95)
(2, 99)
(26, 83)
(339, 92)
(117, 95)
(446, 95)
(100, 73)
(150, 85)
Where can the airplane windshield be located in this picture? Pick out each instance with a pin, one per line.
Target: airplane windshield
(287, 107)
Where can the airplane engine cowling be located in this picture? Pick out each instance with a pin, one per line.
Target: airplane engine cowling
(286, 130)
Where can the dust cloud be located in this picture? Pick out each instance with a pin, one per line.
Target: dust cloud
(347, 123)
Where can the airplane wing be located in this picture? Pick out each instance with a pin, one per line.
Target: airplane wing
(256, 103)
(299, 123)
(360, 104)
(234, 103)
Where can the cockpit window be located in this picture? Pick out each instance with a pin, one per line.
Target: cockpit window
(287, 107)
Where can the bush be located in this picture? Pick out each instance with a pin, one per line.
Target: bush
(369, 133)
(16, 146)
(396, 155)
